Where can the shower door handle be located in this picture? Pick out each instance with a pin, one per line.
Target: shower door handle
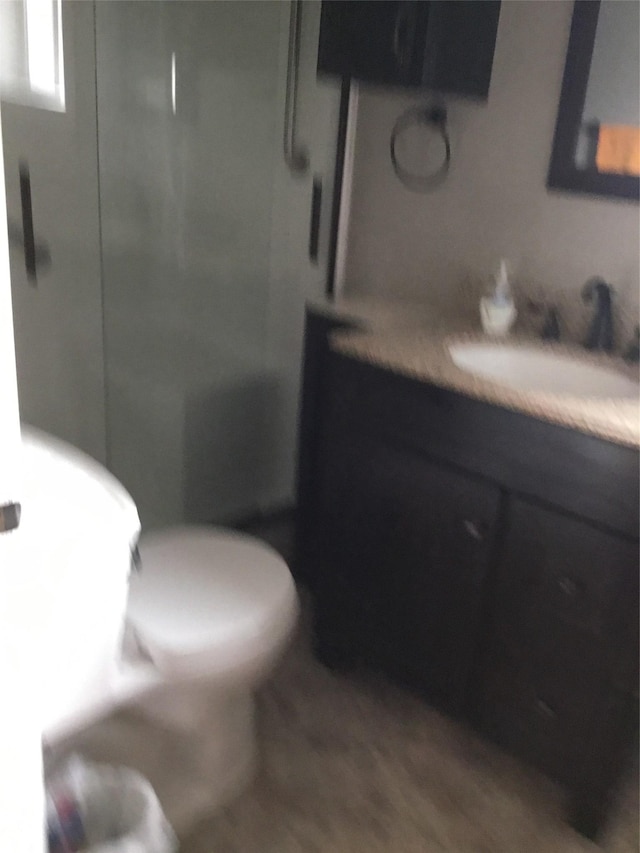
(28, 235)
(314, 228)
(37, 255)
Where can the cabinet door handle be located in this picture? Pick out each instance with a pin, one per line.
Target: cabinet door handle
(568, 586)
(314, 228)
(544, 710)
(295, 156)
(474, 529)
(399, 43)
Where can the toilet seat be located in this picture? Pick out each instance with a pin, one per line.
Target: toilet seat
(209, 600)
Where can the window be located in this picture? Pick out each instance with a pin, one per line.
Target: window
(31, 54)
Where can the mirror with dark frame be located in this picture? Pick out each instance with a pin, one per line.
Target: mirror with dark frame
(596, 147)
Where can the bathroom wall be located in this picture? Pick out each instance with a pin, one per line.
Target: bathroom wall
(494, 202)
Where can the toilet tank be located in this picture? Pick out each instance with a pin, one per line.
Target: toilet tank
(79, 527)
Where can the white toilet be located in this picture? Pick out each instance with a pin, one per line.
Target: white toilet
(211, 610)
(186, 640)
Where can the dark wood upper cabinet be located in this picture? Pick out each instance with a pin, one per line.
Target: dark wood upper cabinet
(446, 45)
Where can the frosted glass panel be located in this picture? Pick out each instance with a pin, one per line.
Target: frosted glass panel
(187, 144)
(205, 249)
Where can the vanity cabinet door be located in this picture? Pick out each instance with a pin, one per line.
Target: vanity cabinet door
(407, 544)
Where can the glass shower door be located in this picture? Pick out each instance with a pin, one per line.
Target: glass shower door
(196, 225)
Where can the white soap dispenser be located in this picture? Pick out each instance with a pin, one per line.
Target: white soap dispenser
(498, 312)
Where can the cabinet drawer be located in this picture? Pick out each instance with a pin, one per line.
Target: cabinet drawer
(551, 716)
(559, 571)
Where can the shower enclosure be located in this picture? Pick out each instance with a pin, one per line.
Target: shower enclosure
(163, 333)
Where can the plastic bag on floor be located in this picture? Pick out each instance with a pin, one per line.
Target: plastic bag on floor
(96, 808)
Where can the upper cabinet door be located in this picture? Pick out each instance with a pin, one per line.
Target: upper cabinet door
(459, 46)
(376, 42)
(446, 45)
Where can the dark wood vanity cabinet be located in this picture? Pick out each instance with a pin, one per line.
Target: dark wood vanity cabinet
(405, 547)
(453, 545)
(446, 45)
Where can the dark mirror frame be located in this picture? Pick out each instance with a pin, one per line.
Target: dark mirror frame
(563, 173)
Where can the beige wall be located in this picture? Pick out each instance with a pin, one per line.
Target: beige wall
(494, 202)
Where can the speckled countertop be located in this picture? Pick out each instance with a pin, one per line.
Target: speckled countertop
(415, 343)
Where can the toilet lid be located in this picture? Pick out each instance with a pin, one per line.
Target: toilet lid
(205, 594)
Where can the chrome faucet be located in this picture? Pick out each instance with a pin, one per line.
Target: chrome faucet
(600, 335)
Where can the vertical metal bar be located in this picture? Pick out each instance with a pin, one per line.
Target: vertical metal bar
(295, 157)
(28, 235)
(341, 142)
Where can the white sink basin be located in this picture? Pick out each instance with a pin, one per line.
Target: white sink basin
(530, 368)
